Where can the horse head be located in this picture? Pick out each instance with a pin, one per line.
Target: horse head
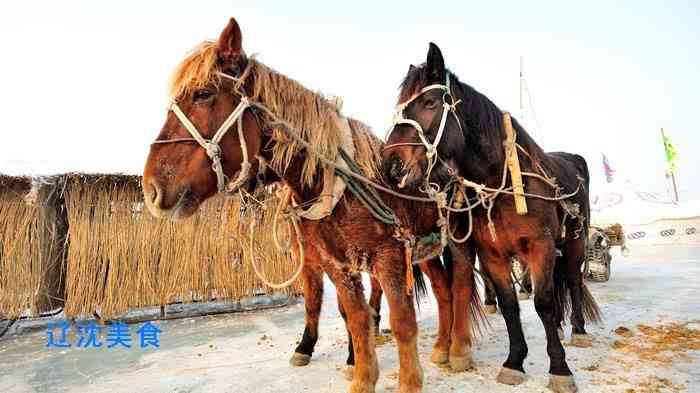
(427, 132)
(208, 130)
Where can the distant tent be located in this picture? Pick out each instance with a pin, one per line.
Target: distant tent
(647, 218)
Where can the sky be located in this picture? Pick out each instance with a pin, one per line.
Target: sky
(83, 83)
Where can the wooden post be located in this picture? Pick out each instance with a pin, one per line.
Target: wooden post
(516, 177)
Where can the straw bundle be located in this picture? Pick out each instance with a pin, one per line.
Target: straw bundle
(32, 245)
(121, 257)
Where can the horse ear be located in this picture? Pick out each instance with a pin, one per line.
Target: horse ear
(435, 63)
(230, 41)
(411, 68)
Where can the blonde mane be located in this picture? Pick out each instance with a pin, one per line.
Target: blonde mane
(310, 113)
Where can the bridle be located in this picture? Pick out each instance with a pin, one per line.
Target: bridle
(211, 146)
(447, 108)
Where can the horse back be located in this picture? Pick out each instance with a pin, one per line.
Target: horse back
(567, 168)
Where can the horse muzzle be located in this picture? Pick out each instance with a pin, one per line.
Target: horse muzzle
(401, 175)
(155, 198)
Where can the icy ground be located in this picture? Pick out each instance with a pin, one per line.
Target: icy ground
(250, 352)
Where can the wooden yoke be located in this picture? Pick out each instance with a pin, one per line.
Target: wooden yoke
(516, 177)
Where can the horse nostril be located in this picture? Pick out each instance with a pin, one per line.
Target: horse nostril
(396, 167)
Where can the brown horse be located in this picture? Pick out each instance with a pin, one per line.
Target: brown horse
(447, 127)
(212, 89)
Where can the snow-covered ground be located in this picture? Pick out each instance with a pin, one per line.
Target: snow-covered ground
(655, 286)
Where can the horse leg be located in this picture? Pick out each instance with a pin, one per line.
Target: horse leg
(489, 297)
(375, 302)
(313, 297)
(439, 281)
(573, 258)
(462, 288)
(402, 317)
(541, 260)
(350, 362)
(498, 269)
(365, 372)
(490, 306)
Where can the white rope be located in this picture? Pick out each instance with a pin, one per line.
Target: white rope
(259, 271)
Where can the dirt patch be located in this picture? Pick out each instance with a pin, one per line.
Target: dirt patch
(624, 331)
(656, 385)
(382, 339)
(661, 344)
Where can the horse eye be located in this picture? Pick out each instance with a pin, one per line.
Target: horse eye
(431, 103)
(202, 95)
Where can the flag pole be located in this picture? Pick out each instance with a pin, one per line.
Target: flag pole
(670, 169)
(675, 189)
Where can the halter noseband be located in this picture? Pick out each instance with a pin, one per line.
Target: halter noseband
(211, 146)
(431, 148)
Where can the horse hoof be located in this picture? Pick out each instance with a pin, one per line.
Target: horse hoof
(410, 389)
(361, 386)
(523, 295)
(508, 376)
(348, 372)
(461, 363)
(560, 333)
(439, 356)
(490, 308)
(300, 359)
(562, 383)
(581, 340)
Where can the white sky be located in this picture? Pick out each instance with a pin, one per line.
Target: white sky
(82, 84)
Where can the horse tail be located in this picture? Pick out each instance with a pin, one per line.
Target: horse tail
(447, 263)
(591, 311)
(420, 290)
(478, 321)
(562, 298)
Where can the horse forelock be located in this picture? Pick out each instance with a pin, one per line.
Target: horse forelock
(196, 71)
(413, 82)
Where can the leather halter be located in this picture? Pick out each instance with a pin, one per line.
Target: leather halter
(211, 146)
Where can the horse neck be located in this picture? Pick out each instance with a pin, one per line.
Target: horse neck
(483, 156)
(484, 133)
(535, 154)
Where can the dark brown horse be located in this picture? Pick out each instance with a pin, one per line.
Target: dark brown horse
(462, 132)
(194, 156)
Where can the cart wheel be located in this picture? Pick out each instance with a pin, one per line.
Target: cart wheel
(604, 258)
